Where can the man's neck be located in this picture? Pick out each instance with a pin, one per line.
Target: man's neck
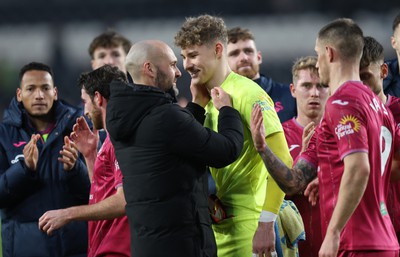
(342, 73)
(303, 120)
(257, 76)
(383, 97)
(40, 124)
(219, 77)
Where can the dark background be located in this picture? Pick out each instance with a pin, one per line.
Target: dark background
(58, 32)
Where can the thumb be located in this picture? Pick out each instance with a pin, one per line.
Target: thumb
(67, 142)
(214, 93)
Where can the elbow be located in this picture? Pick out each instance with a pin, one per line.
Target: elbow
(230, 156)
(290, 189)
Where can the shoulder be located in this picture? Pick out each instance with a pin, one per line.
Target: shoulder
(345, 94)
(64, 107)
(393, 65)
(289, 125)
(174, 113)
(238, 84)
(244, 91)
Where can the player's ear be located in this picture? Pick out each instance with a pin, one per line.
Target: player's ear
(384, 70)
(219, 49)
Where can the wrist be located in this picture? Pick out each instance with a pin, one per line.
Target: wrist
(261, 148)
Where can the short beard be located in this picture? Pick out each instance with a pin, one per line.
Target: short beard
(173, 92)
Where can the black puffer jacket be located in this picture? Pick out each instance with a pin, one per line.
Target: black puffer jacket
(163, 151)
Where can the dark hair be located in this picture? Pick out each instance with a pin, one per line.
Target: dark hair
(372, 52)
(201, 30)
(238, 33)
(109, 39)
(345, 35)
(99, 80)
(396, 22)
(35, 66)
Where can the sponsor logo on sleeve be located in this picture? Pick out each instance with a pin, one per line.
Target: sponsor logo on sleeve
(292, 147)
(348, 125)
(263, 105)
(340, 102)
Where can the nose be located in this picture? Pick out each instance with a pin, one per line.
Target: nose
(315, 91)
(186, 63)
(243, 56)
(109, 60)
(39, 94)
(178, 73)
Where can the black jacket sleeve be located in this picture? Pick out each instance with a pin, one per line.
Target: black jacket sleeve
(191, 140)
(197, 111)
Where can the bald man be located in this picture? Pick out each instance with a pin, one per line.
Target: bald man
(163, 150)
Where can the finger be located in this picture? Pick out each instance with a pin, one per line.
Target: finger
(45, 226)
(309, 126)
(67, 141)
(73, 146)
(254, 113)
(41, 222)
(75, 128)
(73, 136)
(34, 139)
(47, 229)
(37, 137)
(84, 125)
(80, 121)
(260, 120)
(214, 93)
(67, 153)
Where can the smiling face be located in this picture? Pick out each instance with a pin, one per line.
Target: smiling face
(167, 71)
(37, 93)
(200, 62)
(244, 59)
(310, 94)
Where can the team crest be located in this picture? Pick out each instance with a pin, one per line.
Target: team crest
(347, 125)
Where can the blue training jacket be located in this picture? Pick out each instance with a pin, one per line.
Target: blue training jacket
(26, 195)
(391, 84)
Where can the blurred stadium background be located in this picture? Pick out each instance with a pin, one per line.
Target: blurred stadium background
(58, 32)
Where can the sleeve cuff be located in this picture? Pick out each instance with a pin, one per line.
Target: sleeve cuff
(267, 216)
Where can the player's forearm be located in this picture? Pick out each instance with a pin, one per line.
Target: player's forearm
(274, 194)
(110, 208)
(291, 181)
